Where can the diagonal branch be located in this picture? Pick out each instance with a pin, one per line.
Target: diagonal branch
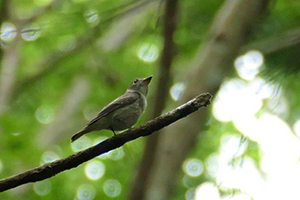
(53, 168)
(275, 42)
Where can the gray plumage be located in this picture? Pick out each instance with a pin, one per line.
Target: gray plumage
(123, 112)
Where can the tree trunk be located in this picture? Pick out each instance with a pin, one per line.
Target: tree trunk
(160, 98)
(231, 25)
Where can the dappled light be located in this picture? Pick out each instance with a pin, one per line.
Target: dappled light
(92, 17)
(79, 145)
(148, 52)
(8, 32)
(49, 156)
(86, 192)
(44, 114)
(168, 100)
(193, 167)
(31, 33)
(248, 65)
(94, 170)
(177, 90)
(112, 188)
(116, 154)
(42, 188)
(207, 191)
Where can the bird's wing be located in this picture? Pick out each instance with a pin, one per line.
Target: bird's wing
(119, 102)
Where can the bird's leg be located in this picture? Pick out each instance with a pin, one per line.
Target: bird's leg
(113, 131)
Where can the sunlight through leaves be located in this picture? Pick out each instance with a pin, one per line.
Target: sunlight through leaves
(42, 188)
(86, 192)
(248, 65)
(94, 170)
(92, 17)
(49, 156)
(31, 33)
(8, 32)
(83, 143)
(177, 90)
(148, 52)
(193, 167)
(112, 188)
(44, 114)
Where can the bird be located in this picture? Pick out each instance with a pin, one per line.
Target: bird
(123, 112)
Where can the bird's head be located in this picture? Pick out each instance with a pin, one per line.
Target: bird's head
(140, 85)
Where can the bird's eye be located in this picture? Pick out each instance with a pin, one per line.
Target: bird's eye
(135, 81)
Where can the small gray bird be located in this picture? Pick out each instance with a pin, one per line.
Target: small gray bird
(123, 112)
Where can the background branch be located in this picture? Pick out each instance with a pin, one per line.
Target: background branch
(275, 43)
(159, 101)
(53, 168)
(71, 102)
(210, 66)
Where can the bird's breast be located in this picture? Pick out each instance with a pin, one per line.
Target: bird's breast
(128, 115)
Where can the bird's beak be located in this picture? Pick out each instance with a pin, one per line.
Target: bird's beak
(147, 80)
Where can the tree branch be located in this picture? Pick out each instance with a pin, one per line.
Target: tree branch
(53, 168)
(275, 42)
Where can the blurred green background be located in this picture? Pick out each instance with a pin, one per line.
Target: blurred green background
(62, 61)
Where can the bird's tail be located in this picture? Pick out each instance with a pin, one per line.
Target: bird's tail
(78, 135)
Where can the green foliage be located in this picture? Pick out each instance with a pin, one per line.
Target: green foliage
(61, 29)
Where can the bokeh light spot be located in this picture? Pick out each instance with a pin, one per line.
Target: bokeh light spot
(44, 114)
(212, 165)
(187, 181)
(232, 146)
(16, 133)
(30, 33)
(176, 91)
(49, 156)
(148, 52)
(296, 128)
(94, 170)
(92, 17)
(112, 188)
(116, 154)
(207, 191)
(86, 192)
(42, 188)
(8, 32)
(82, 143)
(190, 194)
(193, 167)
(1, 166)
(235, 101)
(248, 65)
